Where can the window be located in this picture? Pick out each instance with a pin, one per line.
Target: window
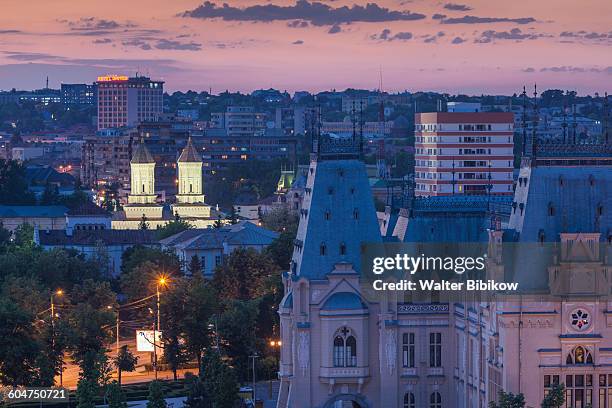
(327, 215)
(338, 351)
(409, 400)
(217, 260)
(580, 319)
(435, 349)
(579, 389)
(435, 400)
(408, 348)
(342, 249)
(203, 263)
(345, 349)
(579, 356)
(322, 249)
(605, 390)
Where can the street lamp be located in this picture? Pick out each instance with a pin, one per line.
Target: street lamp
(161, 281)
(58, 292)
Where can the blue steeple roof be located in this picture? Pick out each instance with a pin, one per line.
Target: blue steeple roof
(567, 199)
(337, 216)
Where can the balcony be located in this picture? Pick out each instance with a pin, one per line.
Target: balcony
(435, 371)
(345, 372)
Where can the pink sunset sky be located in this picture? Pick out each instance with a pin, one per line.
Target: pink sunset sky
(472, 46)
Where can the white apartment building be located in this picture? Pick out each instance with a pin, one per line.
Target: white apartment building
(463, 153)
(240, 121)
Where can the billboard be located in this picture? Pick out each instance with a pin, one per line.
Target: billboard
(144, 340)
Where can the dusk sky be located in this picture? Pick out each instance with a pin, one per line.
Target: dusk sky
(472, 46)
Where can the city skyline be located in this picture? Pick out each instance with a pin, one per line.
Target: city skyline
(457, 47)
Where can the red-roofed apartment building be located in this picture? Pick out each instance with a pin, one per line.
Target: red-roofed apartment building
(463, 151)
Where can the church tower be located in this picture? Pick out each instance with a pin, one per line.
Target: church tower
(190, 197)
(142, 197)
(331, 355)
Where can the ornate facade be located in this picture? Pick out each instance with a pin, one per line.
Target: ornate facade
(343, 346)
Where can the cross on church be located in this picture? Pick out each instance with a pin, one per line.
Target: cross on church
(345, 331)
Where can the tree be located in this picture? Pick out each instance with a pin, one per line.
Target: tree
(196, 392)
(200, 305)
(280, 220)
(172, 228)
(5, 238)
(115, 395)
(13, 184)
(143, 225)
(281, 249)
(90, 321)
(50, 195)
(195, 266)
(232, 216)
(555, 398)
(125, 361)
(18, 346)
(237, 328)
(244, 275)
(156, 395)
(220, 382)
(509, 400)
(86, 393)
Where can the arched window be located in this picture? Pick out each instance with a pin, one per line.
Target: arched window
(579, 356)
(351, 352)
(338, 351)
(322, 249)
(343, 249)
(327, 215)
(345, 348)
(409, 400)
(435, 400)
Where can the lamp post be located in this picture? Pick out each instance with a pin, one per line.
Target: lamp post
(254, 356)
(58, 292)
(275, 344)
(161, 281)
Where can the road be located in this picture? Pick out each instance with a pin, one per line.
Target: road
(70, 375)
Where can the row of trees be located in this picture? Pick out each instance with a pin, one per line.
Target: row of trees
(554, 399)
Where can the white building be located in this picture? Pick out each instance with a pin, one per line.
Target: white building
(463, 153)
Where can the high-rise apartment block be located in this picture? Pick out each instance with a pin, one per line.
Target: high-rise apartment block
(126, 101)
(464, 151)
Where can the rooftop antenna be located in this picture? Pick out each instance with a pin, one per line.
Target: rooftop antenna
(534, 141)
(524, 121)
(564, 125)
(360, 128)
(47, 83)
(574, 124)
(605, 118)
(353, 121)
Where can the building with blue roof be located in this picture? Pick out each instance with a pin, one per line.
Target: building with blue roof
(344, 346)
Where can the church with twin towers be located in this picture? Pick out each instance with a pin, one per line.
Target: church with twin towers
(144, 205)
(345, 346)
